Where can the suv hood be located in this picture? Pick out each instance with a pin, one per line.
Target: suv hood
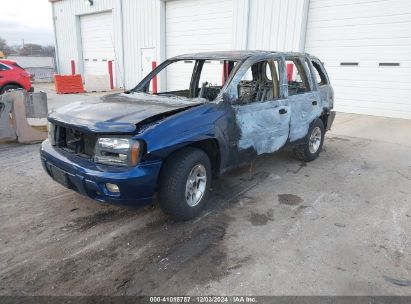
(119, 113)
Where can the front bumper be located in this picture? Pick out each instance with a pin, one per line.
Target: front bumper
(137, 184)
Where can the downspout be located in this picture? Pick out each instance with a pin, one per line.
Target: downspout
(54, 17)
(122, 66)
(240, 22)
(161, 42)
(79, 48)
(304, 21)
(247, 26)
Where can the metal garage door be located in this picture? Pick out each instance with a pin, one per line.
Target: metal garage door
(194, 26)
(366, 48)
(97, 42)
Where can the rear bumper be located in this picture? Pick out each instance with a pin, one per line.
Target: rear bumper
(137, 184)
(330, 120)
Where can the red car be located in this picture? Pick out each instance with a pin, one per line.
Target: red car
(13, 76)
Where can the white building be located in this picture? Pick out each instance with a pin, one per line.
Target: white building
(41, 68)
(365, 44)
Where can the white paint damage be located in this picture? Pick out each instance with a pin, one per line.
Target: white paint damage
(168, 99)
(262, 126)
(303, 113)
(266, 130)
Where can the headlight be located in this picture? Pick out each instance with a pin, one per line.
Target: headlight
(117, 151)
(51, 130)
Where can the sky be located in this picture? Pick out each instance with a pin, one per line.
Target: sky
(30, 20)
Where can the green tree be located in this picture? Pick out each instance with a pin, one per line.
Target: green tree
(31, 49)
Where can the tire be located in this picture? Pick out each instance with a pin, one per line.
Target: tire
(175, 187)
(310, 149)
(9, 87)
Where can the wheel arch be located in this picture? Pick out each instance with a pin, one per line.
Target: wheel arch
(209, 146)
(11, 83)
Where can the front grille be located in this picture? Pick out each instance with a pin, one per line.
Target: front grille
(75, 141)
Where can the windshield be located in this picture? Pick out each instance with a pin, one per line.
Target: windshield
(199, 78)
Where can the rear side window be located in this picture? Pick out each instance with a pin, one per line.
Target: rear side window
(319, 74)
(296, 77)
(3, 67)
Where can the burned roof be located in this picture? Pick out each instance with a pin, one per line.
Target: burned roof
(231, 55)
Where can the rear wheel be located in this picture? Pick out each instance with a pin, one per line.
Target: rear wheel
(184, 183)
(313, 142)
(9, 87)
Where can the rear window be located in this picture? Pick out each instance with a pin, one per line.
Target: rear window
(16, 65)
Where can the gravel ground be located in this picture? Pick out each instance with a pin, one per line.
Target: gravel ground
(337, 226)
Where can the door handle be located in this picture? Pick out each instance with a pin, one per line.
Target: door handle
(314, 103)
(282, 111)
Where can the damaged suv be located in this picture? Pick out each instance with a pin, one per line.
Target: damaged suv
(212, 112)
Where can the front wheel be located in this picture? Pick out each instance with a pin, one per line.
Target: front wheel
(312, 144)
(184, 183)
(9, 87)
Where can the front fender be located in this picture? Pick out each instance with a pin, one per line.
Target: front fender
(196, 124)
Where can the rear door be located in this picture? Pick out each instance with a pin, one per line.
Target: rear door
(321, 82)
(303, 97)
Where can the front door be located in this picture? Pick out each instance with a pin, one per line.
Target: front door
(262, 113)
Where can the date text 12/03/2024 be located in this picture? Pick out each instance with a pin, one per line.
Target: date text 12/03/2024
(204, 299)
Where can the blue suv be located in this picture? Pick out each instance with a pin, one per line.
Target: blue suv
(212, 112)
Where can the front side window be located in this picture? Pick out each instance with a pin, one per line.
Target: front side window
(296, 77)
(192, 78)
(213, 75)
(178, 77)
(259, 83)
